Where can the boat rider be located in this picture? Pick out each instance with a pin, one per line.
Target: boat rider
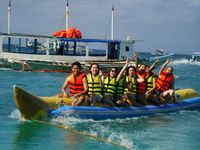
(120, 89)
(77, 83)
(150, 95)
(95, 84)
(110, 83)
(141, 85)
(165, 83)
(132, 79)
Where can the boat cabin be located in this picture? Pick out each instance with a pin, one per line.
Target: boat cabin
(43, 48)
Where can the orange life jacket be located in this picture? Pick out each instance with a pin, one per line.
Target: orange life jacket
(76, 84)
(164, 82)
(69, 33)
(142, 86)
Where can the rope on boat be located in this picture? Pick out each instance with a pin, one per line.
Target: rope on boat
(83, 133)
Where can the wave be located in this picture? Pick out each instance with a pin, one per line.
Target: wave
(104, 130)
(15, 114)
(184, 61)
(5, 69)
(195, 63)
(180, 61)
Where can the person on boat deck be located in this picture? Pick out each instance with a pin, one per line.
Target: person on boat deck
(165, 83)
(150, 95)
(110, 83)
(95, 84)
(77, 83)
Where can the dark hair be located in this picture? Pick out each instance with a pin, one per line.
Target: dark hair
(76, 64)
(94, 64)
(143, 65)
(132, 67)
(129, 68)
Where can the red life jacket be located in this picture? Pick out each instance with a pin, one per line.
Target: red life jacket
(76, 84)
(164, 82)
(142, 86)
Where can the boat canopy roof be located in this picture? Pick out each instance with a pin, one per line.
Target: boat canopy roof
(63, 39)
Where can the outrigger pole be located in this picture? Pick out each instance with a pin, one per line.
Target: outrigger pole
(112, 23)
(9, 17)
(67, 15)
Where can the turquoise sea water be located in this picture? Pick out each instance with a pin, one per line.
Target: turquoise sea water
(175, 131)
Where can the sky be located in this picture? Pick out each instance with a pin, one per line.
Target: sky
(173, 25)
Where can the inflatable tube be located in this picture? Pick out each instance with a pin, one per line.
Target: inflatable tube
(39, 108)
(98, 113)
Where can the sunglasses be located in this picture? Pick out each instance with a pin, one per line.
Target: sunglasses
(113, 70)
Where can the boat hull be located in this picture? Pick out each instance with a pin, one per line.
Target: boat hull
(36, 66)
(40, 108)
(52, 66)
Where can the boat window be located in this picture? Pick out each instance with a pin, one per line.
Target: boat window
(113, 52)
(24, 45)
(11, 44)
(72, 48)
(97, 52)
(5, 44)
(97, 49)
(127, 48)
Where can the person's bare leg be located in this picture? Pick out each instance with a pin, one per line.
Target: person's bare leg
(107, 99)
(79, 101)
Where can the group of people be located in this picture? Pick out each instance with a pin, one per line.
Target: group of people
(136, 85)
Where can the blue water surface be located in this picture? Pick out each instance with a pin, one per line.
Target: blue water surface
(180, 130)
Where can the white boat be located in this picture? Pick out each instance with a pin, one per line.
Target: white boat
(158, 52)
(195, 57)
(29, 52)
(57, 53)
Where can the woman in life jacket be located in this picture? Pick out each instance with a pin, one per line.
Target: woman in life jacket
(142, 71)
(130, 87)
(95, 84)
(141, 85)
(120, 89)
(165, 83)
(110, 83)
(77, 83)
(150, 95)
(130, 93)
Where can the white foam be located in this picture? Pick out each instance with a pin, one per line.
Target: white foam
(100, 128)
(180, 61)
(5, 69)
(195, 63)
(177, 77)
(122, 139)
(15, 114)
(184, 61)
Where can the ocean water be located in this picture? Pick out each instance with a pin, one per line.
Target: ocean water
(180, 130)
